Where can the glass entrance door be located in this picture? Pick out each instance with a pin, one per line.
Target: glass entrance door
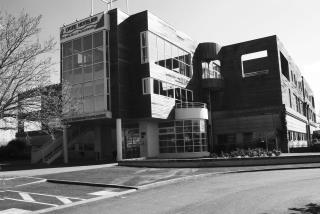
(131, 143)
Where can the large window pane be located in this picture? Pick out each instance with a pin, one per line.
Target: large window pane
(177, 93)
(67, 63)
(99, 103)
(77, 60)
(98, 87)
(97, 55)
(163, 87)
(87, 89)
(88, 104)
(143, 39)
(77, 45)
(87, 73)
(98, 71)
(156, 89)
(98, 39)
(65, 76)
(152, 40)
(161, 56)
(77, 76)
(76, 91)
(87, 42)
(168, 55)
(67, 49)
(87, 58)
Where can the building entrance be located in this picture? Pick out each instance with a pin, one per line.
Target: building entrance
(131, 143)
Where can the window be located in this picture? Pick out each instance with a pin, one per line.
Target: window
(211, 70)
(166, 89)
(285, 67)
(144, 47)
(155, 49)
(156, 89)
(290, 99)
(85, 66)
(146, 86)
(182, 136)
(255, 63)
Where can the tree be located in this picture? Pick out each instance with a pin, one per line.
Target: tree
(24, 64)
(50, 105)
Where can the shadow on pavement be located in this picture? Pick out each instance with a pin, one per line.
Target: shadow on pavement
(308, 209)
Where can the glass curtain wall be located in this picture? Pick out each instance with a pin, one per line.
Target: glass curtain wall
(182, 136)
(164, 53)
(154, 86)
(84, 62)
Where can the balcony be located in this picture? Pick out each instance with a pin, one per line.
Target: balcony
(211, 77)
(191, 110)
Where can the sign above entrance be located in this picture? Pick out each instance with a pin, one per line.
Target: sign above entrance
(89, 24)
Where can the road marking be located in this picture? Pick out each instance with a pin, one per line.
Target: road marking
(14, 211)
(64, 200)
(35, 202)
(32, 193)
(26, 197)
(104, 193)
(7, 179)
(35, 182)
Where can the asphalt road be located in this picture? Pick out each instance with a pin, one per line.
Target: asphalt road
(289, 191)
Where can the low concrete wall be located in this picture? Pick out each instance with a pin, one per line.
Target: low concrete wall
(210, 162)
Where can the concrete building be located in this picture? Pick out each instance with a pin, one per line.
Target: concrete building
(141, 88)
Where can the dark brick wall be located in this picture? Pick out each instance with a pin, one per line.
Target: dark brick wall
(250, 92)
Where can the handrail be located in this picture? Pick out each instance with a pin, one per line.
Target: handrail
(191, 105)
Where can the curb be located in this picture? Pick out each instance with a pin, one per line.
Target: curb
(90, 184)
(275, 169)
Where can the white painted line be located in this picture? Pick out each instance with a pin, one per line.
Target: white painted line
(33, 193)
(26, 197)
(14, 211)
(35, 202)
(104, 193)
(64, 200)
(54, 209)
(7, 179)
(35, 182)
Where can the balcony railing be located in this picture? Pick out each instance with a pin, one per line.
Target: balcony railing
(190, 105)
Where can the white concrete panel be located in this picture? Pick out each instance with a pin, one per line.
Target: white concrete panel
(191, 113)
(295, 124)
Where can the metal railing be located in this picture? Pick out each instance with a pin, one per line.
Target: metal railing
(211, 74)
(190, 105)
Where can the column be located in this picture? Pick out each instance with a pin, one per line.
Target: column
(65, 144)
(119, 139)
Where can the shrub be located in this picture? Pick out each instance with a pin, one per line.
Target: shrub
(256, 152)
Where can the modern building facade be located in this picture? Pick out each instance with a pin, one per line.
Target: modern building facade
(141, 88)
(265, 100)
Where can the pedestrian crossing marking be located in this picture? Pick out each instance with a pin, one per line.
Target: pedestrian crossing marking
(14, 211)
(26, 197)
(64, 200)
(104, 193)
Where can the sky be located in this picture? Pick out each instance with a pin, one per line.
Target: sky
(225, 22)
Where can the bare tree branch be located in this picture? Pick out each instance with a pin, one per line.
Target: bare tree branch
(23, 64)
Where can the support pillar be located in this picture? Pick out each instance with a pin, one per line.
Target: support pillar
(119, 139)
(65, 144)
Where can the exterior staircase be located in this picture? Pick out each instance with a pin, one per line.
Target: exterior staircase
(51, 151)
